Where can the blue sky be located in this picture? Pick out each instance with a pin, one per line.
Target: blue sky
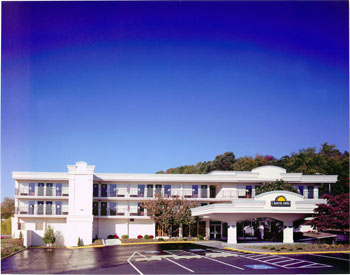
(142, 87)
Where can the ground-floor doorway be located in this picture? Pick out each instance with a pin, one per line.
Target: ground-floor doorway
(260, 229)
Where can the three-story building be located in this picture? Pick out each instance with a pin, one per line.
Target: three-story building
(83, 204)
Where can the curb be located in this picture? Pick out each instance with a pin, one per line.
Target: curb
(158, 242)
(13, 253)
(88, 246)
(286, 253)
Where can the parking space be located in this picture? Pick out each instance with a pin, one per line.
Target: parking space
(170, 259)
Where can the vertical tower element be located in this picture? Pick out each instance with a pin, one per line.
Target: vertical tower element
(80, 218)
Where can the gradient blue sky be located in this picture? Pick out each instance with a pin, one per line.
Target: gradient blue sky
(141, 87)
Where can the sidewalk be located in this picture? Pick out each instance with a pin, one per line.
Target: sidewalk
(241, 246)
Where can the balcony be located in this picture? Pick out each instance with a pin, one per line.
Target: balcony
(122, 212)
(43, 210)
(42, 191)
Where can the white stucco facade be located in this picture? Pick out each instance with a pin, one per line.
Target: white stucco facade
(83, 204)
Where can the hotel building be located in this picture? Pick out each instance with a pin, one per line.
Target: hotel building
(83, 204)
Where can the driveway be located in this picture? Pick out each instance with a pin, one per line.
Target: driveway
(169, 259)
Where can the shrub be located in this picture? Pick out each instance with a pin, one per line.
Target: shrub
(115, 237)
(20, 235)
(200, 237)
(151, 236)
(49, 236)
(139, 236)
(272, 248)
(160, 240)
(125, 237)
(79, 242)
(146, 237)
(184, 239)
(110, 237)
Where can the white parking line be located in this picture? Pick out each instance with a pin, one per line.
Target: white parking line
(179, 265)
(132, 264)
(223, 263)
(342, 259)
(217, 261)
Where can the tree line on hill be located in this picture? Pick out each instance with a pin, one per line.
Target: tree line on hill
(328, 160)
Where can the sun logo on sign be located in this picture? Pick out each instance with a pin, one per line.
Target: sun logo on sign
(281, 198)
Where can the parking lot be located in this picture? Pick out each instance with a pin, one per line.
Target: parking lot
(170, 259)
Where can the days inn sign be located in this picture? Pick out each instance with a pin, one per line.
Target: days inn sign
(280, 201)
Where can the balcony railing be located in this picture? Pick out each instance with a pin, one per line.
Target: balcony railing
(43, 191)
(119, 211)
(42, 210)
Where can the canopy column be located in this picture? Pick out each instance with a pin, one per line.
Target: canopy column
(232, 232)
(288, 231)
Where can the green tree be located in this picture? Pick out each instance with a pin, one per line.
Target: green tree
(223, 162)
(49, 236)
(7, 208)
(6, 227)
(277, 185)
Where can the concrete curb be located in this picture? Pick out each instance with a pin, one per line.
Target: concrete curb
(88, 246)
(286, 253)
(158, 242)
(13, 253)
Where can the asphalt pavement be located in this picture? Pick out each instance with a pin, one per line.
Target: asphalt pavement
(169, 259)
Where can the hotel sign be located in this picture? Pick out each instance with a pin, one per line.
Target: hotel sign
(280, 201)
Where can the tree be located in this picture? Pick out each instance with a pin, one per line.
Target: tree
(6, 227)
(277, 185)
(328, 160)
(7, 208)
(168, 212)
(49, 236)
(333, 215)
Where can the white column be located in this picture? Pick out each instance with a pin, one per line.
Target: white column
(181, 231)
(207, 229)
(288, 231)
(80, 218)
(232, 232)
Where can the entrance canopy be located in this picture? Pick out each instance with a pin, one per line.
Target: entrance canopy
(280, 205)
(274, 204)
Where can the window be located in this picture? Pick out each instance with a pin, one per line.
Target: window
(31, 189)
(48, 208)
(149, 190)
(40, 189)
(40, 210)
(113, 208)
(31, 208)
(133, 208)
(175, 191)
(301, 190)
(249, 191)
(95, 190)
(167, 191)
(103, 208)
(95, 208)
(194, 191)
(103, 190)
(59, 189)
(141, 190)
(112, 190)
(39, 226)
(49, 189)
(204, 191)
(140, 209)
(158, 190)
(310, 192)
(58, 208)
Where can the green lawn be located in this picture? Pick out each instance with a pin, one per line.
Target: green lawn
(10, 246)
